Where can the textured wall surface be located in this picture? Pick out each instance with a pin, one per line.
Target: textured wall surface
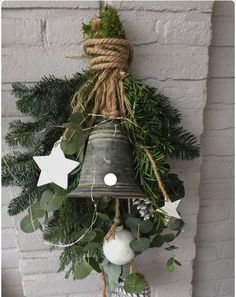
(171, 51)
(213, 273)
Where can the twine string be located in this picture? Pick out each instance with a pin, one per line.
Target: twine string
(116, 222)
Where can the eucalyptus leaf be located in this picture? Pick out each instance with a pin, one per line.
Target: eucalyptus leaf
(69, 148)
(29, 225)
(89, 236)
(171, 264)
(36, 211)
(177, 262)
(103, 216)
(168, 237)
(134, 283)
(146, 227)
(157, 241)
(51, 201)
(82, 270)
(132, 222)
(113, 272)
(171, 248)
(77, 117)
(140, 245)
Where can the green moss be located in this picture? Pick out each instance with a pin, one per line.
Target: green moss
(107, 25)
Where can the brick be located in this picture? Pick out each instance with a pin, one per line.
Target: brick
(217, 168)
(182, 288)
(20, 32)
(11, 277)
(7, 221)
(208, 251)
(187, 29)
(219, 117)
(21, 64)
(87, 294)
(220, 90)
(227, 287)
(215, 270)
(185, 252)
(217, 190)
(221, 62)
(56, 284)
(156, 273)
(10, 258)
(228, 250)
(184, 95)
(40, 262)
(50, 4)
(145, 19)
(167, 28)
(163, 62)
(66, 31)
(206, 288)
(30, 242)
(219, 143)
(221, 25)
(12, 292)
(213, 213)
(204, 6)
(8, 238)
(218, 231)
(6, 197)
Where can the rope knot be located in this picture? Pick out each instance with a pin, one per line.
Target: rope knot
(109, 53)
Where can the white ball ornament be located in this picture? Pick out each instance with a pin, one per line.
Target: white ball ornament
(117, 250)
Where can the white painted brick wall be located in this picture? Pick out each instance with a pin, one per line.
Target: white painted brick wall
(213, 273)
(171, 40)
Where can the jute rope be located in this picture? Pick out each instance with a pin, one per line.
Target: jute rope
(110, 58)
(116, 222)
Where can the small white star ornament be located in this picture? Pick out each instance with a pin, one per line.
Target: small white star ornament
(55, 167)
(170, 208)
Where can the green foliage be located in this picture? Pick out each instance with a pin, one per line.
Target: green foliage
(134, 283)
(48, 103)
(151, 123)
(113, 272)
(82, 270)
(29, 225)
(171, 264)
(51, 201)
(140, 245)
(109, 26)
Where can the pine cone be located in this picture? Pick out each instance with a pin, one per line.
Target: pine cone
(144, 206)
(120, 291)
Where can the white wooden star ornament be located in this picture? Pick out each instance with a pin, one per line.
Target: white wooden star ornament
(170, 208)
(55, 167)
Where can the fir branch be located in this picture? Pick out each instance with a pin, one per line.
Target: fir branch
(49, 97)
(23, 133)
(25, 199)
(19, 169)
(185, 145)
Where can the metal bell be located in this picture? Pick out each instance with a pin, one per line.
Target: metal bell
(108, 169)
